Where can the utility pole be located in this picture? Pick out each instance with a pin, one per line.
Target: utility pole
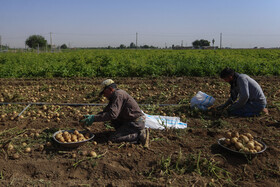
(51, 39)
(136, 39)
(0, 43)
(220, 40)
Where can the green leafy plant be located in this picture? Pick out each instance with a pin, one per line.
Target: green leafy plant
(152, 63)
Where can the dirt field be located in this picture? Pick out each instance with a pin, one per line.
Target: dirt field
(189, 157)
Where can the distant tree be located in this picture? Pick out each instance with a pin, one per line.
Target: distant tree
(35, 40)
(63, 46)
(132, 45)
(5, 47)
(122, 46)
(145, 46)
(148, 47)
(200, 43)
(213, 41)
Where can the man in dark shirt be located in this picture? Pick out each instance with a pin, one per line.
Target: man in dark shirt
(124, 114)
(246, 95)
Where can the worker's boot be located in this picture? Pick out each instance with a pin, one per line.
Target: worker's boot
(144, 137)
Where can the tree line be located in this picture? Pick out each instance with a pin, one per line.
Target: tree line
(37, 41)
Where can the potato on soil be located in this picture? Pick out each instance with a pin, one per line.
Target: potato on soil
(74, 155)
(10, 147)
(93, 154)
(27, 150)
(16, 156)
(41, 147)
(24, 144)
(84, 153)
(48, 144)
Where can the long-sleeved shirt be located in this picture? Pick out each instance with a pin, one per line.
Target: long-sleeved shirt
(121, 107)
(247, 89)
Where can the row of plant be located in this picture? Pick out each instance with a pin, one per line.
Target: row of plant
(139, 63)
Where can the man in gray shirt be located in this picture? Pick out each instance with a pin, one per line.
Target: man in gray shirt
(251, 97)
(124, 114)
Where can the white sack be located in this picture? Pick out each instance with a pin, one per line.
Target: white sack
(162, 122)
(202, 101)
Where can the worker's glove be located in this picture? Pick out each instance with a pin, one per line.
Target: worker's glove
(221, 107)
(89, 119)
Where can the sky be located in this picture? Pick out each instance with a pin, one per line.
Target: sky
(161, 23)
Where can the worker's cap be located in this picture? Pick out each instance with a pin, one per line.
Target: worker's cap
(105, 84)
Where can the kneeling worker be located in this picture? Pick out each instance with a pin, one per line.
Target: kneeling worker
(124, 114)
(251, 97)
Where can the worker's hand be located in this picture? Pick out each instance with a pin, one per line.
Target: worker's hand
(89, 119)
(221, 107)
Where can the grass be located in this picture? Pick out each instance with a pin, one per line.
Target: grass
(11, 135)
(180, 164)
(1, 175)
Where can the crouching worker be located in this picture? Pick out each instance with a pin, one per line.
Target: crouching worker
(124, 114)
(251, 100)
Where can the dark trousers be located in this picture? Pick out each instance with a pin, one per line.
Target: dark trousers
(248, 110)
(127, 131)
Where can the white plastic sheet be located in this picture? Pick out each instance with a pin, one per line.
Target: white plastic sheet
(162, 122)
(202, 101)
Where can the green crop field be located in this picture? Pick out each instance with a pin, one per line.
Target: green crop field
(139, 63)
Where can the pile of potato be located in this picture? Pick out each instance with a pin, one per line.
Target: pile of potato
(242, 142)
(76, 136)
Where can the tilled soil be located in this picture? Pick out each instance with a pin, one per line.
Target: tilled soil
(183, 157)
